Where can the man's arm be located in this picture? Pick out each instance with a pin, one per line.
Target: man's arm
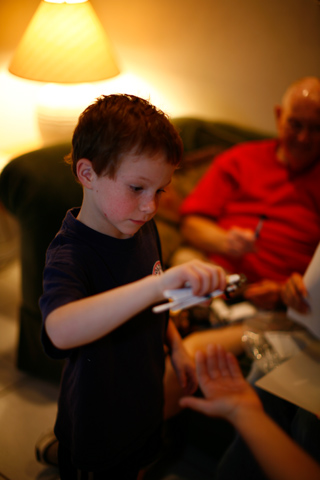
(206, 235)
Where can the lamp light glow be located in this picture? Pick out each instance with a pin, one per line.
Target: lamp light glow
(64, 43)
(65, 46)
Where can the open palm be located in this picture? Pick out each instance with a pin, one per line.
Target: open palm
(225, 390)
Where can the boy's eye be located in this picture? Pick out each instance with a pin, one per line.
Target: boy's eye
(135, 188)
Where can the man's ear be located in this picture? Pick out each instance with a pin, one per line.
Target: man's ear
(85, 172)
(277, 112)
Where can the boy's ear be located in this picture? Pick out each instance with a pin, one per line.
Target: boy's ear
(85, 172)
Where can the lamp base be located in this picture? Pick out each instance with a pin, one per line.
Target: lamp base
(58, 110)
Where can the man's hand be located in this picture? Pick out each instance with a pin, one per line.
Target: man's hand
(240, 241)
(294, 293)
(265, 294)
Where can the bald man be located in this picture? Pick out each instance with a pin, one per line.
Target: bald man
(257, 209)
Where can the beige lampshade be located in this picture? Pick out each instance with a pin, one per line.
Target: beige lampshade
(64, 43)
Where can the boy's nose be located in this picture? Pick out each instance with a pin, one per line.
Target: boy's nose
(150, 206)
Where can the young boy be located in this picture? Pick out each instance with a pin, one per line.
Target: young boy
(102, 276)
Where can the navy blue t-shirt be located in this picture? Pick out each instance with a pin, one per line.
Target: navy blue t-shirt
(111, 396)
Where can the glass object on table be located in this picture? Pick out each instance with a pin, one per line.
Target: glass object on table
(270, 338)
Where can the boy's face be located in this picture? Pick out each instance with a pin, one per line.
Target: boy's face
(120, 206)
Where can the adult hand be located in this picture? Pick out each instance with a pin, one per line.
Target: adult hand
(265, 294)
(227, 394)
(240, 241)
(294, 293)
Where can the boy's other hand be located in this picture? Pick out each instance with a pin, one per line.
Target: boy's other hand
(184, 367)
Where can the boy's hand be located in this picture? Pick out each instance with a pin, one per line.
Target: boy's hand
(185, 369)
(227, 394)
(202, 277)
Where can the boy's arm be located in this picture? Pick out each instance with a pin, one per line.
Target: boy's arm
(88, 319)
(83, 321)
(181, 361)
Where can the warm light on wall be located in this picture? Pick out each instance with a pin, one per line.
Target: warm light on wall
(64, 43)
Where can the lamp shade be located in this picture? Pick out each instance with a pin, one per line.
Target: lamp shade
(64, 43)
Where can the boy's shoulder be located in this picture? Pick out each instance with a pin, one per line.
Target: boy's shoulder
(67, 232)
(75, 240)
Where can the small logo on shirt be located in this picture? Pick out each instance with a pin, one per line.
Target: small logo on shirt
(157, 269)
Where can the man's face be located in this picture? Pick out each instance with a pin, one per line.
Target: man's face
(298, 125)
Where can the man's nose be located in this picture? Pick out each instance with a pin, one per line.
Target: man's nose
(304, 134)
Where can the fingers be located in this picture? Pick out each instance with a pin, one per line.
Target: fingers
(202, 277)
(234, 366)
(298, 285)
(205, 278)
(213, 365)
(241, 241)
(201, 367)
(213, 362)
(220, 378)
(191, 383)
(265, 294)
(294, 293)
(220, 363)
(294, 287)
(188, 380)
(216, 362)
(199, 404)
